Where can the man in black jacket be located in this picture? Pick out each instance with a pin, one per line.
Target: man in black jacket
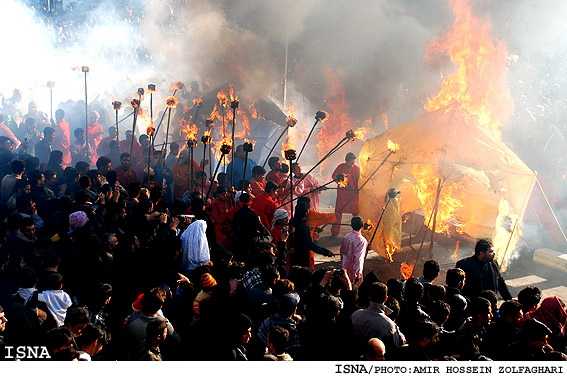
(302, 241)
(482, 272)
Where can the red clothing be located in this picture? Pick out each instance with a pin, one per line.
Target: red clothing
(257, 186)
(95, 134)
(103, 148)
(125, 177)
(265, 207)
(181, 177)
(227, 229)
(274, 176)
(346, 195)
(136, 151)
(219, 209)
(62, 141)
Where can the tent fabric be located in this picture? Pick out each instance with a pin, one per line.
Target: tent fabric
(477, 170)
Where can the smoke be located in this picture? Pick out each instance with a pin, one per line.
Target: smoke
(378, 46)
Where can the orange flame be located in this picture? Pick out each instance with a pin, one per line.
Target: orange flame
(253, 142)
(450, 198)
(171, 102)
(406, 270)
(479, 84)
(390, 250)
(454, 256)
(344, 182)
(197, 102)
(360, 133)
(338, 121)
(231, 94)
(393, 147)
(176, 85)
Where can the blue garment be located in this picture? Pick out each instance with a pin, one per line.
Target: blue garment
(239, 170)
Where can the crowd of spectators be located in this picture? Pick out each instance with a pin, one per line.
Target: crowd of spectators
(116, 256)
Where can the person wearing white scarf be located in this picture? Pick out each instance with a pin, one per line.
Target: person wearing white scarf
(280, 214)
(195, 246)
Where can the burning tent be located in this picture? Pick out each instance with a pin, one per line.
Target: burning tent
(458, 174)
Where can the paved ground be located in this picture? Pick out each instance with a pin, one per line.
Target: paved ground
(521, 272)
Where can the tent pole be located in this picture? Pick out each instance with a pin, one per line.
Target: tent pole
(435, 209)
(422, 241)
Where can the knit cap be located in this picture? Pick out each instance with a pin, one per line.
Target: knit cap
(208, 281)
(78, 219)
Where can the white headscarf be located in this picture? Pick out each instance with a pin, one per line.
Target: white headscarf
(195, 246)
(279, 215)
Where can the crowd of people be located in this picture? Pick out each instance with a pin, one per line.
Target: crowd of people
(114, 250)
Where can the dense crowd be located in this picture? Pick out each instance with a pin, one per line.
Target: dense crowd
(114, 250)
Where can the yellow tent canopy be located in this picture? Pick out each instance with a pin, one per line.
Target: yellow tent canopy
(445, 160)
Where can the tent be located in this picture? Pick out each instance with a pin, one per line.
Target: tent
(456, 173)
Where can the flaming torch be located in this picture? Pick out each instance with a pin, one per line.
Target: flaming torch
(341, 180)
(171, 103)
(247, 147)
(50, 85)
(233, 105)
(206, 140)
(151, 132)
(117, 105)
(135, 103)
(86, 70)
(319, 117)
(151, 90)
(392, 193)
(225, 149)
(290, 156)
(210, 123)
(191, 143)
(291, 122)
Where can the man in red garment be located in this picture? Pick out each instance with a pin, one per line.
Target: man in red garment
(125, 172)
(94, 129)
(274, 175)
(219, 209)
(347, 198)
(264, 204)
(62, 140)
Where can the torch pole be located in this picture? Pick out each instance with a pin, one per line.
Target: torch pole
(86, 116)
(191, 167)
(233, 148)
(307, 193)
(291, 194)
(216, 171)
(149, 156)
(245, 166)
(306, 140)
(341, 144)
(118, 130)
(203, 177)
(377, 225)
(51, 101)
(274, 146)
(167, 130)
(133, 131)
(435, 210)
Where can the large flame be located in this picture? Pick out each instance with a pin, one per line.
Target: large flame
(406, 270)
(479, 83)
(450, 197)
(338, 122)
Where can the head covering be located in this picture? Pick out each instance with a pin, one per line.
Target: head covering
(78, 219)
(137, 305)
(195, 246)
(551, 313)
(279, 215)
(291, 299)
(245, 198)
(208, 281)
(237, 196)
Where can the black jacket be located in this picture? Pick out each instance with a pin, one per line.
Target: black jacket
(481, 276)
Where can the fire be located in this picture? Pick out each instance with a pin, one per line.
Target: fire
(454, 256)
(390, 250)
(338, 122)
(197, 102)
(253, 111)
(171, 102)
(253, 142)
(450, 198)
(223, 99)
(246, 127)
(360, 133)
(188, 128)
(393, 147)
(176, 85)
(231, 94)
(478, 85)
(344, 182)
(290, 120)
(406, 270)
(505, 236)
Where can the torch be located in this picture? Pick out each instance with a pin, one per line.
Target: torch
(135, 103)
(86, 70)
(191, 143)
(151, 90)
(291, 122)
(225, 149)
(175, 87)
(210, 123)
(171, 103)
(233, 105)
(151, 132)
(50, 85)
(206, 140)
(117, 105)
(393, 148)
(247, 147)
(341, 179)
(392, 193)
(290, 156)
(319, 117)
